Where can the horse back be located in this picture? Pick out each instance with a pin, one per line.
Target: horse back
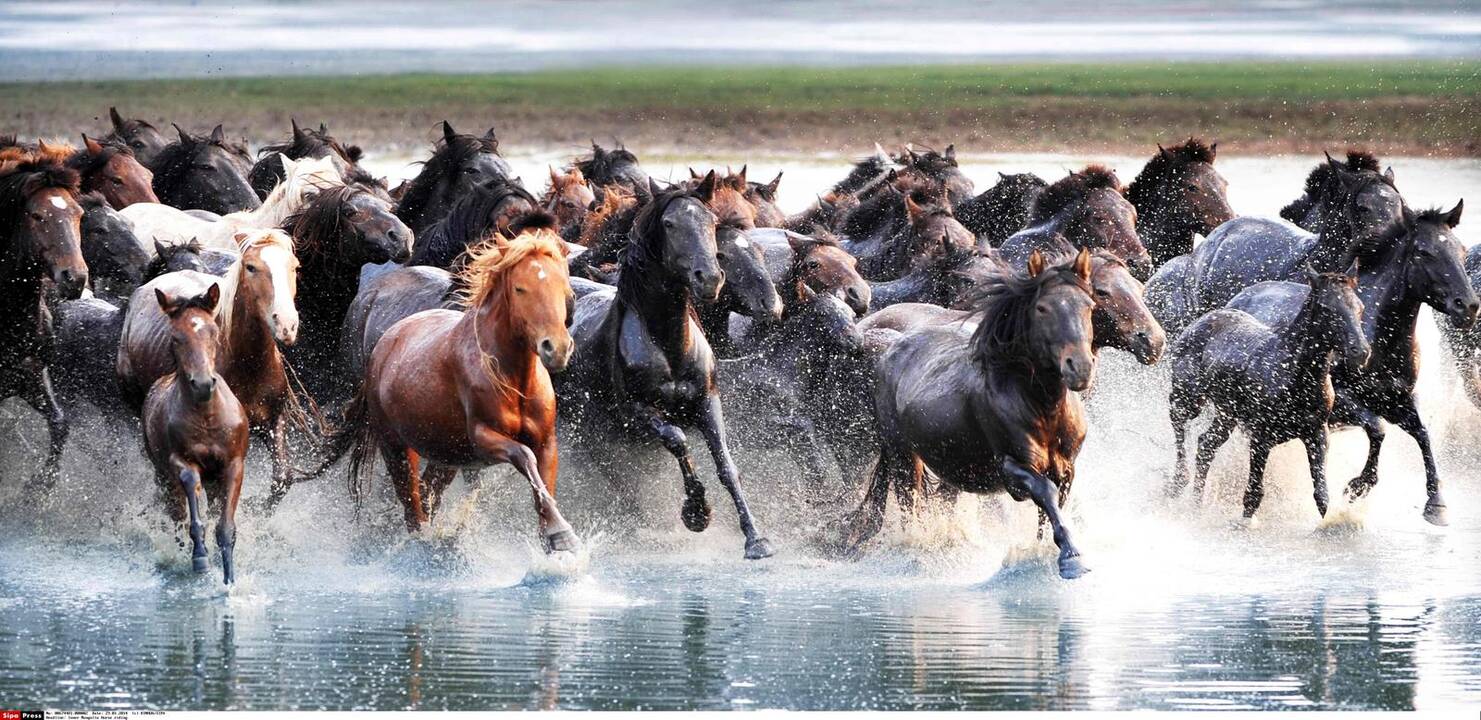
(143, 344)
(382, 301)
(1245, 251)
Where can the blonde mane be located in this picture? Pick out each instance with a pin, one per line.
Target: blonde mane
(233, 279)
(485, 264)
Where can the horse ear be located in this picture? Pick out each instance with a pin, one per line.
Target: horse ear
(491, 136)
(1213, 150)
(184, 136)
(448, 133)
(1352, 274)
(706, 189)
(596, 150)
(692, 174)
(950, 153)
(911, 209)
(166, 303)
(555, 178)
(160, 248)
(769, 189)
(212, 296)
(240, 238)
(1388, 174)
(1035, 263)
(297, 131)
(796, 242)
(288, 164)
(1409, 217)
(1162, 151)
(741, 177)
(1082, 264)
(93, 146)
(218, 134)
(892, 177)
(118, 121)
(323, 129)
(653, 189)
(1452, 218)
(879, 151)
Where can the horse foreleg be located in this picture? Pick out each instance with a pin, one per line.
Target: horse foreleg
(1408, 420)
(226, 524)
(1347, 411)
(43, 398)
(1209, 442)
(408, 485)
(496, 447)
(696, 510)
(1255, 491)
(1043, 492)
(190, 485)
(1316, 460)
(1181, 409)
(712, 424)
(277, 438)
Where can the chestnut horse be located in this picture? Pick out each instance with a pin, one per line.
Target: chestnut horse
(40, 241)
(107, 168)
(568, 198)
(195, 430)
(256, 313)
(472, 389)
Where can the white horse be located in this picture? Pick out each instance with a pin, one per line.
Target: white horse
(302, 181)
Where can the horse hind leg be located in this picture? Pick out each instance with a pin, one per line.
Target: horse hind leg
(435, 481)
(1209, 442)
(408, 485)
(1181, 410)
(1255, 492)
(865, 521)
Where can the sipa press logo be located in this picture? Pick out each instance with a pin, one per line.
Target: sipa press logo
(22, 715)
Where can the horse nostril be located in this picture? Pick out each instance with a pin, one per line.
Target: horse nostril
(547, 348)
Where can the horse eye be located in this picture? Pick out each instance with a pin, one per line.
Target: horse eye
(1192, 187)
(1042, 310)
(668, 223)
(813, 265)
(116, 181)
(470, 170)
(37, 217)
(251, 269)
(137, 145)
(519, 290)
(1101, 293)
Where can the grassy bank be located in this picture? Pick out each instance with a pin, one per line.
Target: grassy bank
(1416, 107)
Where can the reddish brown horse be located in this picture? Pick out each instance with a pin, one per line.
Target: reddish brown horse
(472, 389)
(568, 198)
(195, 430)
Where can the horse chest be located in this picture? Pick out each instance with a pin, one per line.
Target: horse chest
(673, 379)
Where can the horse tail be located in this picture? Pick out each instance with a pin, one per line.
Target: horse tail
(356, 438)
(340, 439)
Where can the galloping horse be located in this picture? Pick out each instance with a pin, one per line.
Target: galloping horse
(334, 235)
(202, 173)
(1178, 194)
(641, 359)
(40, 228)
(920, 233)
(255, 314)
(995, 409)
(136, 135)
(458, 164)
(195, 430)
(268, 171)
(1002, 209)
(940, 170)
(1424, 265)
(472, 389)
(1272, 380)
(304, 179)
(1306, 211)
(1086, 209)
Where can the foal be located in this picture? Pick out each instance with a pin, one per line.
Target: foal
(195, 431)
(1274, 380)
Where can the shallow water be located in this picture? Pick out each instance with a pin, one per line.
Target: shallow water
(957, 609)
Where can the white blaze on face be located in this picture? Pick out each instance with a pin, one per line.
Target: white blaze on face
(741, 242)
(58, 203)
(279, 262)
(197, 324)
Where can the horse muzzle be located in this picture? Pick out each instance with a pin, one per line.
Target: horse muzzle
(1077, 371)
(285, 329)
(1148, 345)
(706, 284)
(555, 357)
(70, 281)
(1462, 312)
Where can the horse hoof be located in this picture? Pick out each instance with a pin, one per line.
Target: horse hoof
(1356, 489)
(562, 541)
(1245, 524)
(199, 564)
(758, 549)
(695, 514)
(1071, 567)
(1435, 514)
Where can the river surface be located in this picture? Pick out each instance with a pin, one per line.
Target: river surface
(89, 39)
(959, 608)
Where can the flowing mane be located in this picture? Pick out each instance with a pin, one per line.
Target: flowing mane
(450, 152)
(1005, 299)
(599, 168)
(1167, 165)
(487, 262)
(468, 221)
(1072, 189)
(644, 249)
(318, 223)
(864, 171)
(233, 279)
(308, 142)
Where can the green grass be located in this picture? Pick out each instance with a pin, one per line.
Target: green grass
(780, 88)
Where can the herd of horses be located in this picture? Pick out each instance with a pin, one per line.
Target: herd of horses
(904, 322)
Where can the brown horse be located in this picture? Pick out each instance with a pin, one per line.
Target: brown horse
(1085, 209)
(472, 389)
(995, 409)
(256, 313)
(568, 198)
(195, 430)
(114, 172)
(40, 242)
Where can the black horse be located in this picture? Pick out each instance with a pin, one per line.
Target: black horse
(458, 164)
(641, 360)
(613, 167)
(484, 208)
(267, 172)
(116, 260)
(944, 279)
(1177, 195)
(138, 135)
(914, 234)
(1271, 379)
(338, 232)
(1423, 266)
(202, 173)
(1084, 210)
(1306, 211)
(40, 243)
(1002, 209)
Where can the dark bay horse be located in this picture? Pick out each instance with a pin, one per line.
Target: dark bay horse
(1423, 266)
(942, 278)
(804, 265)
(1179, 194)
(1361, 214)
(1002, 209)
(919, 234)
(116, 260)
(763, 196)
(472, 389)
(202, 173)
(1273, 380)
(1086, 209)
(641, 359)
(995, 409)
(938, 169)
(267, 172)
(747, 289)
(480, 210)
(1306, 211)
(137, 135)
(458, 164)
(255, 315)
(40, 243)
(339, 231)
(195, 430)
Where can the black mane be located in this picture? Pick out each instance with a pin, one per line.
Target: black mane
(599, 167)
(447, 156)
(1071, 190)
(1167, 166)
(644, 248)
(1005, 299)
(467, 222)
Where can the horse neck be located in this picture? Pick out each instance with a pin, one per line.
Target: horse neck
(1332, 251)
(664, 307)
(327, 286)
(247, 350)
(275, 208)
(1157, 227)
(487, 333)
(1306, 342)
(1391, 309)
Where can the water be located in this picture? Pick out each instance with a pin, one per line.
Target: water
(957, 609)
(91, 40)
